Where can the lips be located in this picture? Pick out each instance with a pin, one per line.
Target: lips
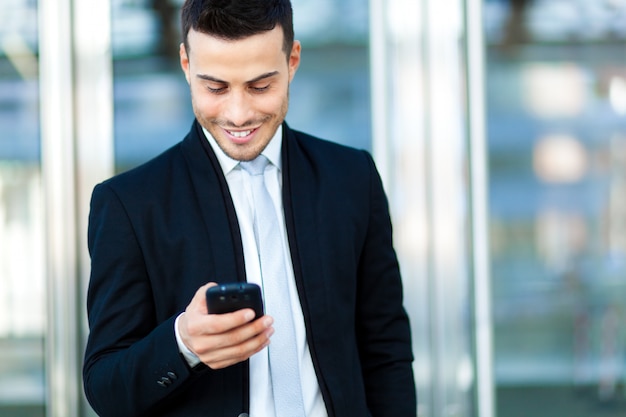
(240, 136)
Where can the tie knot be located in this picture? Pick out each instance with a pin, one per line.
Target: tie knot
(256, 166)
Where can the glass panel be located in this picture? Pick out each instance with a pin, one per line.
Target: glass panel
(329, 95)
(152, 110)
(419, 92)
(22, 267)
(556, 97)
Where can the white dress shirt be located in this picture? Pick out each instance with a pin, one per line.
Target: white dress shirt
(239, 184)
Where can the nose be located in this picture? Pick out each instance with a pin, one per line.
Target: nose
(238, 109)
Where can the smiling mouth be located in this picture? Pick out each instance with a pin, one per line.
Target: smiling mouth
(240, 134)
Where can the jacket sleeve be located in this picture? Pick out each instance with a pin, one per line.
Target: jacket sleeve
(132, 362)
(383, 330)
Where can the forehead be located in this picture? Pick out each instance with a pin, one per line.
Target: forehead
(262, 49)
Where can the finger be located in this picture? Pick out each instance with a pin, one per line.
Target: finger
(221, 358)
(223, 336)
(244, 332)
(206, 332)
(222, 323)
(214, 342)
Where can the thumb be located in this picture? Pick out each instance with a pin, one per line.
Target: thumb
(198, 302)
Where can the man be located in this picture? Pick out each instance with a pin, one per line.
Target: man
(161, 234)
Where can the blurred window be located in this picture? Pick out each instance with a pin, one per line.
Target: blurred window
(556, 101)
(22, 267)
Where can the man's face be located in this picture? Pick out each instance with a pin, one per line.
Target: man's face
(240, 88)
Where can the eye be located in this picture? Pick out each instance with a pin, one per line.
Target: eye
(258, 89)
(218, 90)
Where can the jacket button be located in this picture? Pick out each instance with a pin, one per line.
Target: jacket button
(172, 375)
(243, 415)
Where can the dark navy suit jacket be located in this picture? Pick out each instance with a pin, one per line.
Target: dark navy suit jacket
(160, 231)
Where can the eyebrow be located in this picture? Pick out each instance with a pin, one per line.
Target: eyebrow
(254, 80)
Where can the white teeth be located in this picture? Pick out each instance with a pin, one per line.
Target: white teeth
(240, 134)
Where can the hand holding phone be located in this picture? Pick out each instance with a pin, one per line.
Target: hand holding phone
(229, 297)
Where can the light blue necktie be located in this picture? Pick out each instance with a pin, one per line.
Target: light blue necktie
(284, 364)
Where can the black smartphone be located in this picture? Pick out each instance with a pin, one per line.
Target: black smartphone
(226, 298)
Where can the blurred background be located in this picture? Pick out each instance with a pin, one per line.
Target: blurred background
(498, 126)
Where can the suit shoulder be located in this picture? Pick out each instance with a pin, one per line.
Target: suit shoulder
(328, 151)
(153, 171)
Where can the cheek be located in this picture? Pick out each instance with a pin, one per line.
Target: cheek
(271, 103)
(205, 104)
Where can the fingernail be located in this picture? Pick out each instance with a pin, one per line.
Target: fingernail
(249, 315)
(268, 321)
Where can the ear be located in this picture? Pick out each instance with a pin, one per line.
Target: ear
(294, 59)
(184, 61)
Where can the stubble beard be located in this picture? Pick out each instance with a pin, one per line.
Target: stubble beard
(243, 152)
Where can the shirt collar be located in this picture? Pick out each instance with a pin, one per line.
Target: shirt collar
(272, 151)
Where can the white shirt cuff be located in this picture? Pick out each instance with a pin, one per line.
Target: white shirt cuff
(189, 356)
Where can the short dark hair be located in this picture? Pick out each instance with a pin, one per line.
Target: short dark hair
(237, 19)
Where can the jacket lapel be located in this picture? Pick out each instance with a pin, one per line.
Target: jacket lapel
(300, 200)
(216, 205)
